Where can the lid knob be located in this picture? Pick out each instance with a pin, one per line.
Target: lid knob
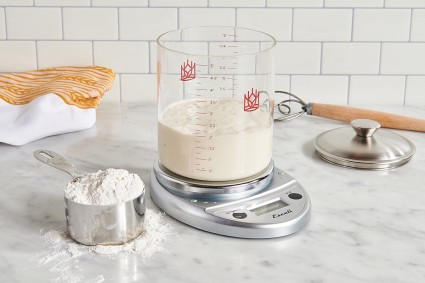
(364, 127)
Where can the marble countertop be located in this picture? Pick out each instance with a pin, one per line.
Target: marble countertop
(366, 226)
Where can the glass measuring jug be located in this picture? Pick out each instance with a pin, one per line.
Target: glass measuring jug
(215, 102)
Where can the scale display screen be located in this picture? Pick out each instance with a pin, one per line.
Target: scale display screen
(269, 207)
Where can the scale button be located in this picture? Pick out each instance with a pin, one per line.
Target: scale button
(295, 196)
(239, 215)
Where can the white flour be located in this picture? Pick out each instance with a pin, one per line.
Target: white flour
(105, 187)
(62, 255)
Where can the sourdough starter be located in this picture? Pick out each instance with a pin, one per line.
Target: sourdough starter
(214, 139)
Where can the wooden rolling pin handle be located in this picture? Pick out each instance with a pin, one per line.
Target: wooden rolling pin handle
(347, 114)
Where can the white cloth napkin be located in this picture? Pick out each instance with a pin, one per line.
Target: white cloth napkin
(45, 116)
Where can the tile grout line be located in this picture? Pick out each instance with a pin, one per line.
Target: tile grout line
(119, 75)
(92, 51)
(290, 84)
(292, 24)
(349, 90)
(228, 7)
(410, 27)
(321, 58)
(178, 18)
(149, 58)
(62, 23)
(352, 24)
(118, 24)
(5, 25)
(410, 40)
(277, 41)
(405, 88)
(36, 54)
(380, 58)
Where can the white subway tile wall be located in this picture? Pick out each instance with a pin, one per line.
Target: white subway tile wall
(381, 25)
(354, 3)
(16, 2)
(295, 3)
(64, 53)
(277, 22)
(122, 56)
(298, 58)
(237, 3)
(90, 24)
(321, 89)
(350, 58)
(322, 24)
(62, 2)
(359, 52)
(28, 23)
(134, 85)
(22, 56)
(403, 58)
(418, 25)
(415, 91)
(136, 23)
(120, 3)
(2, 24)
(377, 90)
(190, 17)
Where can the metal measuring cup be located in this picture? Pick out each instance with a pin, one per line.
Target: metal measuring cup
(97, 224)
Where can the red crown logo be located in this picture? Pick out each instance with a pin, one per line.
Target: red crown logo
(251, 101)
(187, 71)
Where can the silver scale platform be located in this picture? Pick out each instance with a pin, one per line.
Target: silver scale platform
(268, 205)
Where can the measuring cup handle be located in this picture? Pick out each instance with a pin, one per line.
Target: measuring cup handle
(55, 160)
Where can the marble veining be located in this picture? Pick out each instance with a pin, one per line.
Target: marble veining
(366, 226)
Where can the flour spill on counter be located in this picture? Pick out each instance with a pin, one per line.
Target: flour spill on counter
(62, 255)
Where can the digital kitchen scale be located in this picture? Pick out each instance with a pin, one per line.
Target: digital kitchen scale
(268, 205)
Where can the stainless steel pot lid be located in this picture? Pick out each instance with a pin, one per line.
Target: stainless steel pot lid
(367, 147)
